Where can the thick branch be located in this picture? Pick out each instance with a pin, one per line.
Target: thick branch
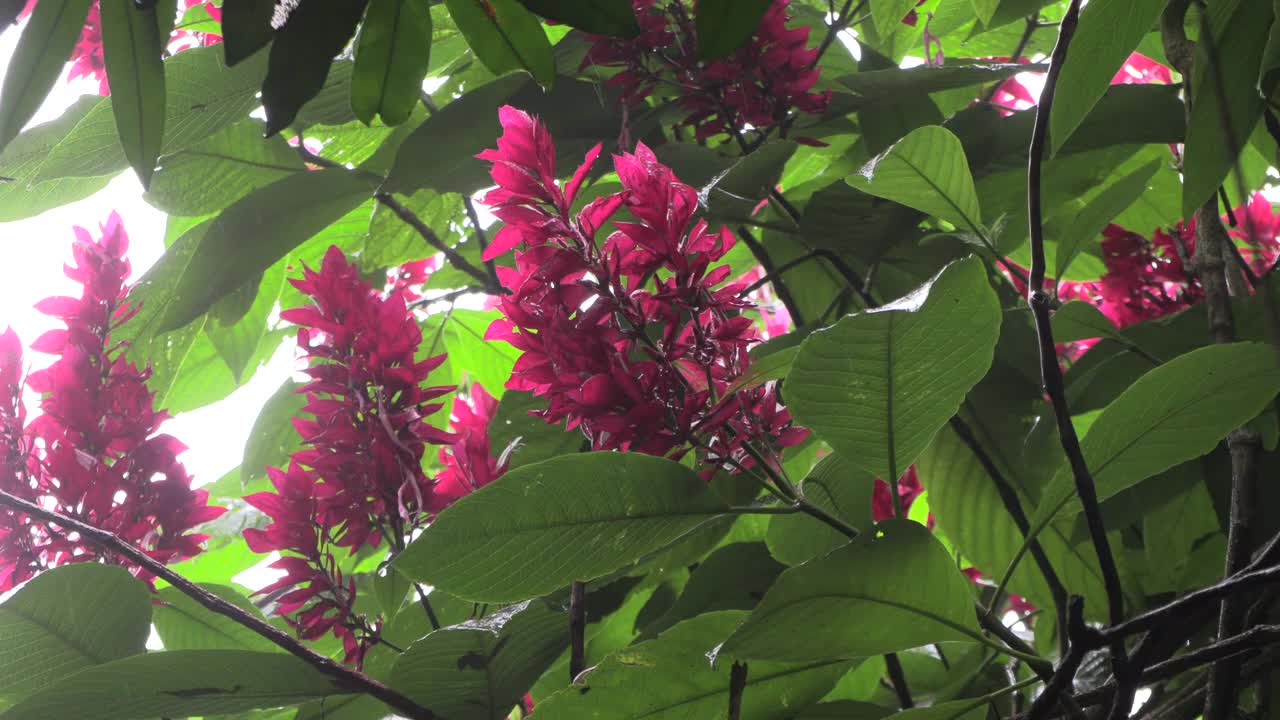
(343, 676)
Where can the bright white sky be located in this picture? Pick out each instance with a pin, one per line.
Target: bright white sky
(36, 249)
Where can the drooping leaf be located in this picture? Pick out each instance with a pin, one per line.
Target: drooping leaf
(724, 25)
(835, 485)
(259, 229)
(1109, 31)
(180, 683)
(877, 385)
(44, 47)
(671, 677)
(602, 17)
(133, 46)
(313, 33)
(68, 619)
(392, 56)
(870, 598)
(926, 170)
(481, 668)
(246, 27)
(541, 526)
(184, 624)
(505, 37)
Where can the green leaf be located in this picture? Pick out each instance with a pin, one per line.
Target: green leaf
(184, 624)
(539, 527)
(671, 677)
(870, 597)
(481, 668)
(392, 56)
(246, 27)
(1240, 31)
(734, 193)
(974, 709)
(1176, 412)
(1109, 31)
(888, 14)
(210, 175)
(926, 170)
(488, 362)
(68, 619)
(20, 198)
(877, 385)
(985, 9)
(313, 33)
(180, 683)
(890, 85)
(1080, 320)
(272, 437)
(601, 17)
(774, 366)
(733, 577)
(133, 50)
(46, 43)
(202, 97)
(1100, 210)
(237, 338)
(835, 485)
(259, 229)
(525, 438)
(722, 26)
(505, 37)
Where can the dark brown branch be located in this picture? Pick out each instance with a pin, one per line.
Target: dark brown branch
(343, 676)
(577, 629)
(1173, 612)
(898, 679)
(737, 686)
(482, 240)
(426, 607)
(1080, 636)
(409, 218)
(766, 261)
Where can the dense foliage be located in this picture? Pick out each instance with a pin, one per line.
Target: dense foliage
(746, 359)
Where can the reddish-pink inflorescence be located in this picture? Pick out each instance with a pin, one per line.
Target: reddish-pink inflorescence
(759, 85)
(93, 453)
(359, 479)
(636, 340)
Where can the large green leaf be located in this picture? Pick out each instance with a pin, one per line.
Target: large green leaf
(1109, 31)
(724, 25)
(21, 160)
(888, 14)
(670, 677)
(392, 56)
(1100, 210)
(1176, 412)
(835, 485)
(539, 527)
(926, 170)
(870, 596)
(603, 17)
(259, 229)
(238, 322)
(877, 385)
(487, 361)
(480, 669)
(133, 48)
(180, 683)
(505, 37)
(68, 619)
(734, 577)
(45, 45)
(891, 84)
(523, 438)
(246, 27)
(272, 437)
(312, 33)
(1240, 30)
(210, 175)
(184, 624)
(202, 96)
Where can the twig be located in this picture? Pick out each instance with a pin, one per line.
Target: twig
(766, 261)
(482, 240)
(426, 607)
(837, 25)
(898, 679)
(1051, 372)
(737, 686)
(343, 676)
(1079, 634)
(1027, 32)
(577, 630)
(855, 283)
(409, 218)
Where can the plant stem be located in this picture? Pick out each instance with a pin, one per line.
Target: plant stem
(766, 261)
(341, 675)
(406, 215)
(577, 629)
(482, 240)
(898, 679)
(737, 686)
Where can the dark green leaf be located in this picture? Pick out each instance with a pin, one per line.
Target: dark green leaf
(877, 385)
(272, 437)
(888, 14)
(68, 619)
(835, 485)
(1240, 30)
(313, 33)
(132, 49)
(505, 37)
(246, 27)
(1109, 31)
(36, 63)
(1098, 212)
(870, 598)
(259, 229)
(480, 669)
(879, 86)
(724, 25)
(1080, 320)
(21, 160)
(671, 677)
(926, 170)
(184, 624)
(488, 362)
(392, 56)
(236, 339)
(523, 438)
(975, 709)
(733, 577)
(180, 683)
(542, 526)
(735, 193)
(602, 17)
